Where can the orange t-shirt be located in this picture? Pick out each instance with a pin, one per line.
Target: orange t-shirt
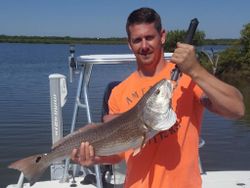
(170, 159)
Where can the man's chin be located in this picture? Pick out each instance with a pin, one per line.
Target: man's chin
(146, 62)
(146, 59)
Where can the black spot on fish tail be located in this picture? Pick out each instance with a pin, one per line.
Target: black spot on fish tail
(38, 159)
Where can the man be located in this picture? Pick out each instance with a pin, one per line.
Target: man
(170, 159)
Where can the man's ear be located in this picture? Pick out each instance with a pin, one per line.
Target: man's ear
(163, 36)
(129, 45)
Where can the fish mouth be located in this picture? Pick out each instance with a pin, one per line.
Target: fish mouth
(161, 82)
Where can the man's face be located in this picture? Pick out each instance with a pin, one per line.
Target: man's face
(146, 43)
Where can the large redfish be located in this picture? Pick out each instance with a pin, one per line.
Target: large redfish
(132, 129)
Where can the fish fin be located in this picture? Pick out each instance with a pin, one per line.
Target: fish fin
(143, 143)
(32, 167)
(82, 129)
(136, 151)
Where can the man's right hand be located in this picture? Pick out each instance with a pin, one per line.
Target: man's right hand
(85, 155)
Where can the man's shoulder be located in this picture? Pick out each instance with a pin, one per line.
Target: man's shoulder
(126, 82)
(118, 101)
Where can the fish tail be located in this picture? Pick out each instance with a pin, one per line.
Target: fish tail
(32, 167)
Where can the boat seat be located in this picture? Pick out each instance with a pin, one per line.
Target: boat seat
(107, 92)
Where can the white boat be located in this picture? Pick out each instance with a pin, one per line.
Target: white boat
(213, 179)
(64, 174)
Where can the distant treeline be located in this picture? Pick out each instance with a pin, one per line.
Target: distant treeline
(76, 40)
(60, 40)
(220, 41)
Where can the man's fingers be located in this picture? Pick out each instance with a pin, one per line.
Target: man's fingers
(86, 149)
(91, 152)
(85, 155)
(74, 155)
(82, 153)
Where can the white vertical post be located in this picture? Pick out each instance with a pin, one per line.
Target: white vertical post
(20, 181)
(58, 93)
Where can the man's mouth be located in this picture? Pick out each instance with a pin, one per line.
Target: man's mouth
(145, 54)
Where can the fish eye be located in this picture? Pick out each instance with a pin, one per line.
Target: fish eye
(38, 159)
(157, 92)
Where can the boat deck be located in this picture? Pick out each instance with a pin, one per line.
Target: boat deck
(211, 179)
(227, 179)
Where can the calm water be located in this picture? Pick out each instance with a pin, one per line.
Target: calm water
(25, 110)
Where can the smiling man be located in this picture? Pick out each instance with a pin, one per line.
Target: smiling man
(146, 43)
(170, 159)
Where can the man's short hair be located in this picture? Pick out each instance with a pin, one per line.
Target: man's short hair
(144, 15)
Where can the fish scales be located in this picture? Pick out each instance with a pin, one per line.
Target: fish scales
(109, 138)
(130, 130)
(128, 135)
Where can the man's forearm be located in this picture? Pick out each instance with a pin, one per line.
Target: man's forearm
(224, 99)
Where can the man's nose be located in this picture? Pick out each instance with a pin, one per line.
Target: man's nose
(145, 44)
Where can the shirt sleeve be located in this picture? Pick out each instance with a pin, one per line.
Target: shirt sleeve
(112, 102)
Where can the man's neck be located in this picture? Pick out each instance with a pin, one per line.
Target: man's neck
(151, 70)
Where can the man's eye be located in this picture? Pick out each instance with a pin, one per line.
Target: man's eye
(137, 40)
(148, 38)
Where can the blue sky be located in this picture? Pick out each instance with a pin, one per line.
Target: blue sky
(107, 18)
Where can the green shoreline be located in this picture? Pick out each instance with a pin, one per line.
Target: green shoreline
(60, 40)
(76, 40)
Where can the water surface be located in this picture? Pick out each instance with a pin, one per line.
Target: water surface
(25, 126)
